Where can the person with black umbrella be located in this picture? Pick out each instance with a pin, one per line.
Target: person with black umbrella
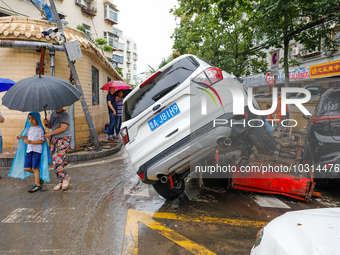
(42, 93)
(60, 141)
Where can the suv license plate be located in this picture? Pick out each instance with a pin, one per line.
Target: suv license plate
(163, 117)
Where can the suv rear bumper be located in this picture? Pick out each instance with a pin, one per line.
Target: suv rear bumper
(177, 158)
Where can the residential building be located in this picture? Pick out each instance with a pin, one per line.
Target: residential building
(143, 76)
(99, 18)
(130, 70)
(124, 55)
(21, 21)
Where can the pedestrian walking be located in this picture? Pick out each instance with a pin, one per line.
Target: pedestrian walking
(60, 141)
(2, 120)
(119, 102)
(112, 108)
(32, 156)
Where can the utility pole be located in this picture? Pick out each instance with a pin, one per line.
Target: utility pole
(93, 133)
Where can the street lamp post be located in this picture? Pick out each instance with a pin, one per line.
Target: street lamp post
(93, 133)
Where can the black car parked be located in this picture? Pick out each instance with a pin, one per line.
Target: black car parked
(322, 144)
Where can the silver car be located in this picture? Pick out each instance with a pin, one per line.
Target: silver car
(169, 121)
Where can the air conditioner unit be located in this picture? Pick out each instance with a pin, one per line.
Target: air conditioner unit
(296, 51)
(80, 2)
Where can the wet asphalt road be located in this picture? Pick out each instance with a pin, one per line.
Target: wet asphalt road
(108, 211)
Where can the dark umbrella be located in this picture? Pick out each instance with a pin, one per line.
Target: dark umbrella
(6, 84)
(125, 92)
(40, 93)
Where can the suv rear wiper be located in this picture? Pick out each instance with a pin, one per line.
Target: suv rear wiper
(165, 91)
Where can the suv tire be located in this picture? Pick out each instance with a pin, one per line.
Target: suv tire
(262, 139)
(165, 190)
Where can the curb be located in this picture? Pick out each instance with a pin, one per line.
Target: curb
(78, 157)
(74, 157)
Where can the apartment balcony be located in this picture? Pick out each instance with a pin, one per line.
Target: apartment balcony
(118, 58)
(89, 12)
(111, 21)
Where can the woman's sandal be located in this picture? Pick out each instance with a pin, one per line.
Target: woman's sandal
(66, 183)
(58, 187)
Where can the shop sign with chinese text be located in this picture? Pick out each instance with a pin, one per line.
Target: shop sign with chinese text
(326, 69)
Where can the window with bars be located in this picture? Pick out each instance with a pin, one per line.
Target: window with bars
(95, 86)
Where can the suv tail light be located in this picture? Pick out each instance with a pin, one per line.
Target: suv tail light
(209, 76)
(316, 119)
(334, 117)
(141, 176)
(150, 79)
(125, 135)
(325, 118)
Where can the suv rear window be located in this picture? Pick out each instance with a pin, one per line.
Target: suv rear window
(159, 87)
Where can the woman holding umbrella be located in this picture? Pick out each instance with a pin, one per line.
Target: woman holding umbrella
(60, 141)
(41, 93)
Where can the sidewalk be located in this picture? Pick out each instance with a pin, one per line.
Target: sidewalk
(81, 153)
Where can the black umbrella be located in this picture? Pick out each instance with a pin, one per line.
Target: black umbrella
(125, 92)
(40, 93)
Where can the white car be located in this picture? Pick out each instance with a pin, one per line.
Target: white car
(168, 121)
(305, 232)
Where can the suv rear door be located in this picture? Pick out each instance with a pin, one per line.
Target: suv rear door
(162, 92)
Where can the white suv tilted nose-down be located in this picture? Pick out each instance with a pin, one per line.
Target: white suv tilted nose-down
(168, 121)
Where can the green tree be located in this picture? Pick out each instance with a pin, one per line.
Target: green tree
(119, 71)
(101, 43)
(81, 28)
(218, 31)
(304, 21)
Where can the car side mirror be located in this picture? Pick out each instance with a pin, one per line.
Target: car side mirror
(306, 117)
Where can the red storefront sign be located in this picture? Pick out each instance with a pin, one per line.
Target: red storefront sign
(326, 69)
(270, 80)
